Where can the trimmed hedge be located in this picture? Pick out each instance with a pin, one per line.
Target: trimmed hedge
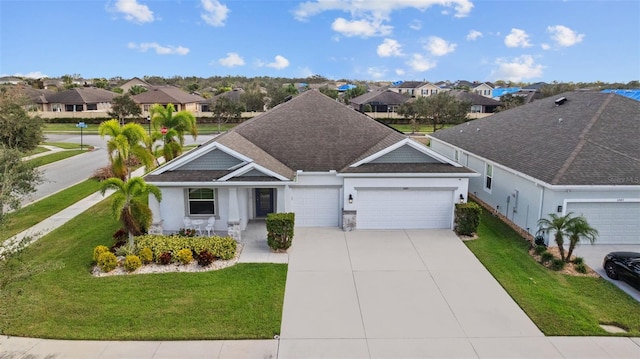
(280, 230)
(467, 218)
(221, 247)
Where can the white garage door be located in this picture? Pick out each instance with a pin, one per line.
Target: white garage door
(616, 222)
(316, 206)
(404, 209)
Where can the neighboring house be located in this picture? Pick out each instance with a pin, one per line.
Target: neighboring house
(575, 152)
(37, 97)
(501, 91)
(416, 88)
(233, 95)
(165, 95)
(484, 89)
(479, 103)
(380, 101)
(330, 165)
(11, 80)
(80, 99)
(135, 82)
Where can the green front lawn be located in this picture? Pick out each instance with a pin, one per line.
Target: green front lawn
(55, 157)
(559, 304)
(62, 300)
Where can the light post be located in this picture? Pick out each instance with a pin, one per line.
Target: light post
(149, 122)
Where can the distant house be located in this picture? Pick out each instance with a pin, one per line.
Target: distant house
(416, 88)
(479, 103)
(164, 95)
(11, 80)
(80, 99)
(484, 89)
(380, 101)
(135, 82)
(577, 152)
(37, 98)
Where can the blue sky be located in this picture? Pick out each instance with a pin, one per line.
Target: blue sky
(433, 40)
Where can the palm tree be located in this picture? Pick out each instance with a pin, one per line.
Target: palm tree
(577, 229)
(125, 142)
(129, 204)
(557, 224)
(175, 125)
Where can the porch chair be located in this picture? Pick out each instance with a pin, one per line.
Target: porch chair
(187, 223)
(209, 228)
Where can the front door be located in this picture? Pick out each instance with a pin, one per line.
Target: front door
(264, 202)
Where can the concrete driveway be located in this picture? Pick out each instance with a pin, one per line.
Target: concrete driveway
(398, 293)
(593, 256)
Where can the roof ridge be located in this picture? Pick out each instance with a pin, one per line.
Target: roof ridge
(583, 140)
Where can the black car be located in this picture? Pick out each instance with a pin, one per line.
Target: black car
(623, 265)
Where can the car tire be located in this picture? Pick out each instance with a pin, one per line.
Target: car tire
(610, 269)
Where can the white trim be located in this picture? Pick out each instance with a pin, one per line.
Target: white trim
(410, 175)
(212, 183)
(249, 167)
(413, 144)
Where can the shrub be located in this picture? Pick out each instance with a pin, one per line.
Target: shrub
(220, 247)
(467, 218)
(120, 238)
(165, 258)
(97, 251)
(280, 230)
(107, 261)
(546, 257)
(581, 268)
(205, 258)
(557, 264)
(187, 232)
(103, 173)
(125, 250)
(132, 262)
(539, 249)
(578, 260)
(539, 241)
(146, 256)
(184, 256)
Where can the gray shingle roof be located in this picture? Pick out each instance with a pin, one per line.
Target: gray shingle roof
(474, 98)
(165, 95)
(386, 97)
(591, 139)
(81, 95)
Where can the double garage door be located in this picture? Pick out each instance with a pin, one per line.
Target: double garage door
(404, 208)
(616, 222)
(376, 208)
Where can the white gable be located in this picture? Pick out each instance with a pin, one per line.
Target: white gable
(406, 151)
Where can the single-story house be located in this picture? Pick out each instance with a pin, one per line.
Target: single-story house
(80, 99)
(380, 101)
(575, 152)
(330, 165)
(165, 95)
(479, 103)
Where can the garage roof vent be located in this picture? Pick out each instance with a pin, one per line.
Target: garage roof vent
(561, 101)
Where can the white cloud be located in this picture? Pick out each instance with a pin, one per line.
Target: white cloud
(415, 25)
(133, 11)
(400, 72)
(439, 47)
(376, 72)
(232, 59)
(564, 36)
(214, 12)
(279, 63)
(517, 38)
(517, 69)
(362, 28)
(420, 63)
(377, 8)
(545, 46)
(473, 35)
(160, 50)
(389, 48)
(29, 75)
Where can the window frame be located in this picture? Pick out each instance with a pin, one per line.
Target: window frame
(188, 200)
(488, 177)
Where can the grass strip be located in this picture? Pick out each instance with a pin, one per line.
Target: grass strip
(54, 157)
(558, 304)
(58, 297)
(34, 213)
(64, 145)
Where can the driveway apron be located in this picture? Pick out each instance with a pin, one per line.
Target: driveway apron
(401, 293)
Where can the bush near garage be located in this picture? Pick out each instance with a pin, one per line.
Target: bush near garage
(280, 230)
(467, 218)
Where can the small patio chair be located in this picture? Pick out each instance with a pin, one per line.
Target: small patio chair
(209, 228)
(187, 223)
